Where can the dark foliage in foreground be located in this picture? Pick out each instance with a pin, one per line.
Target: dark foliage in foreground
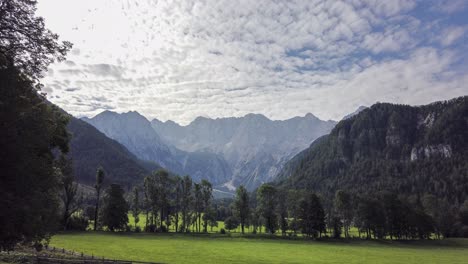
(30, 129)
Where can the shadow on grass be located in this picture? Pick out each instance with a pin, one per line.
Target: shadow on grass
(433, 243)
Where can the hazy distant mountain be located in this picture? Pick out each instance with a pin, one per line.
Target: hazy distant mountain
(90, 149)
(409, 150)
(358, 110)
(135, 132)
(254, 146)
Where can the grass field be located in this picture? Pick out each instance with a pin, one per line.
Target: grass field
(211, 248)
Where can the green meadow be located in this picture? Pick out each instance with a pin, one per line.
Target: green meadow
(215, 248)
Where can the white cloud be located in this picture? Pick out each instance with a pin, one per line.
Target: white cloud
(181, 59)
(451, 35)
(449, 6)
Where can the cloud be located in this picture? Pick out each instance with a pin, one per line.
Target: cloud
(179, 60)
(450, 35)
(449, 6)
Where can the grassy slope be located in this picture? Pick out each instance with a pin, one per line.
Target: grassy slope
(176, 248)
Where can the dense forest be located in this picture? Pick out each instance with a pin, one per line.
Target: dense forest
(418, 153)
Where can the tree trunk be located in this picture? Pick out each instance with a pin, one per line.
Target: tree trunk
(147, 219)
(199, 222)
(161, 216)
(96, 209)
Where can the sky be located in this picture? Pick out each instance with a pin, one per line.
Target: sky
(181, 59)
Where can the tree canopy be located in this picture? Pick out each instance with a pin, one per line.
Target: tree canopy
(115, 208)
(30, 129)
(25, 42)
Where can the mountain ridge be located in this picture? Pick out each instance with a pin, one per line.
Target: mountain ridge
(413, 150)
(254, 146)
(135, 132)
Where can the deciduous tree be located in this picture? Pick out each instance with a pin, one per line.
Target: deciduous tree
(69, 188)
(241, 205)
(136, 205)
(267, 206)
(115, 208)
(312, 215)
(207, 195)
(25, 42)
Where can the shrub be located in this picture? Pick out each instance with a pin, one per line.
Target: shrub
(150, 228)
(162, 229)
(222, 231)
(231, 223)
(77, 222)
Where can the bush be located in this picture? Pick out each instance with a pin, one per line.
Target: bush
(222, 231)
(150, 228)
(77, 222)
(231, 223)
(137, 229)
(162, 229)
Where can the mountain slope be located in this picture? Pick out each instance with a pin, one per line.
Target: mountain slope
(90, 149)
(135, 132)
(254, 146)
(409, 150)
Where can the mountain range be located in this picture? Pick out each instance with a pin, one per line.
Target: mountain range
(254, 147)
(134, 131)
(228, 152)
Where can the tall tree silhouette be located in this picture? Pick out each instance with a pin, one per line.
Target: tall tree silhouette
(241, 204)
(98, 186)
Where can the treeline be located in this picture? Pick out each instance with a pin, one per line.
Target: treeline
(382, 215)
(389, 215)
(175, 201)
(178, 204)
(165, 201)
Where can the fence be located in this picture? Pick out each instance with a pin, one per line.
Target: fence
(80, 258)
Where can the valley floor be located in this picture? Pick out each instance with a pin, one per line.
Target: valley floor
(215, 248)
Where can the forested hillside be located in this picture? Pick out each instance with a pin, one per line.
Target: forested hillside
(411, 151)
(90, 149)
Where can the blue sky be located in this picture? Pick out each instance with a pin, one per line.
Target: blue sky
(182, 59)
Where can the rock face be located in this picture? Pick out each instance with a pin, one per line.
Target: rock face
(428, 152)
(254, 147)
(409, 150)
(135, 132)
